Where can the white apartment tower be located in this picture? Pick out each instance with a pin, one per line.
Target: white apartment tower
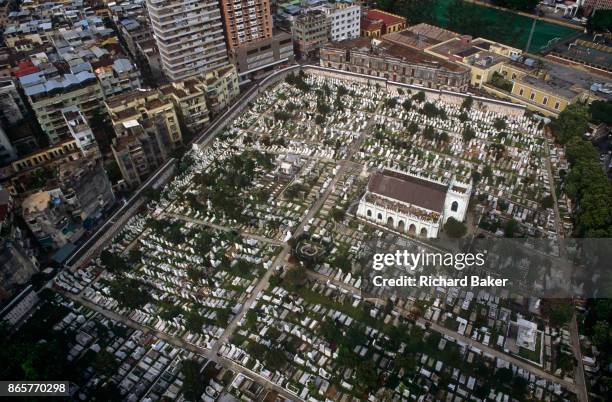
(189, 35)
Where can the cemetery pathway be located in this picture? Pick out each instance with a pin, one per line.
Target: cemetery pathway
(247, 235)
(460, 338)
(178, 342)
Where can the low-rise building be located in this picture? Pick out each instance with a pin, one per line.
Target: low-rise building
(81, 132)
(118, 77)
(189, 99)
(147, 129)
(221, 88)
(395, 62)
(48, 96)
(547, 87)
(63, 213)
(5, 6)
(262, 55)
(376, 23)
(310, 32)
(483, 57)
(12, 107)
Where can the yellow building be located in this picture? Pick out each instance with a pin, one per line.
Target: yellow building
(140, 105)
(483, 57)
(545, 88)
(21, 173)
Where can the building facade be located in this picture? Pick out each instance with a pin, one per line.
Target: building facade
(412, 204)
(147, 129)
(189, 36)
(310, 32)
(376, 23)
(118, 77)
(396, 63)
(189, 100)
(262, 55)
(49, 96)
(246, 22)
(344, 20)
(8, 153)
(221, 88)
(12, 108)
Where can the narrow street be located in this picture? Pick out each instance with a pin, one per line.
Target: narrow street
(579, 378)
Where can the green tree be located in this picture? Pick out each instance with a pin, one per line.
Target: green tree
(601, 111)
(455, 229)
(429, 132)
(193, 385)
(500, 124)
(511, 228)
(467, 104)
(419, 96)
(337, 214)
(128, 293)
(295, 277)
(194, 321)
(600, 21)
(413, 127)
(572, 122)
(468, 134)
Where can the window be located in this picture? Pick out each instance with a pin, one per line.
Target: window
(454, 206)
(544, 101)
(532, 96)
(379, 217)
(521, 92)
(557, 105)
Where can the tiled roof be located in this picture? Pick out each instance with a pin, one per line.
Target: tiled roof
(409, 189)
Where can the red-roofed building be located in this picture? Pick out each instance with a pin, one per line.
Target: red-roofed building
(375, 23)
(24, 68)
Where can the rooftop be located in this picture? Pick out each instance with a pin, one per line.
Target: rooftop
(389, 49)
(36, 202)
(432, 32)
(374, 14)
(409, 189)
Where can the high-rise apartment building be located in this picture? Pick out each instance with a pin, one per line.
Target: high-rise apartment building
(251, 42)
(189, 35)
(246, 21)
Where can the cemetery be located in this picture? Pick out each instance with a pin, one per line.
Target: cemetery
(254, 251)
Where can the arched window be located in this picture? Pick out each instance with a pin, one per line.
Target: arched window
(454, 206)
(379, 217)
(369, 213)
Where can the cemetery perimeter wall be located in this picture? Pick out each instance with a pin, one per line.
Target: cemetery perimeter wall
(432, 95)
